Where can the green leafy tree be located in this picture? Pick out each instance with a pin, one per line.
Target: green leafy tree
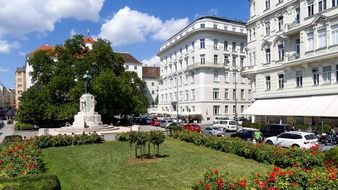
(58, 83)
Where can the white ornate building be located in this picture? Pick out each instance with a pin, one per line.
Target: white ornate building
(293, 60)
(199, 66)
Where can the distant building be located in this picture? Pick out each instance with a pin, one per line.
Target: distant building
(200, 70)
(151, 77)
(20, 84)
(7, 97)
(132, 64)
(293, 53)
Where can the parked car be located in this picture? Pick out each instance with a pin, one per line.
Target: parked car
(226, 125)
(330, 139)
(2, 124)
(165, 122)
(219, 118)
(246, 134)
(294, 139)
(276, 129)
(155, 122)
(192, 127)
(213, 131)
(145, 121)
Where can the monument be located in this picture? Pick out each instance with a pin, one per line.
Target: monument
(87, 117)
(86, 120)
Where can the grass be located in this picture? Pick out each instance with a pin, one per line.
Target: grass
(110, 166)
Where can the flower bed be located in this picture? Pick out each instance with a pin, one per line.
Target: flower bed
(19, 159)
(263, 153)
(295, 178)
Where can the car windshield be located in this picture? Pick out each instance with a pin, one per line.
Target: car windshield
(310, 137)
(232, 123)
(217, 128)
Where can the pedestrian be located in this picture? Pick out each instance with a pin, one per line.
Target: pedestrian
(258, 136)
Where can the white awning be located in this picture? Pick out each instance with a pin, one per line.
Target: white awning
(320, 106)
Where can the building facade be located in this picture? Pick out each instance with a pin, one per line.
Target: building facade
(132, 64)
(151, 77)
(20, 84)
(199, 68)
(293, 60)
(7, 97)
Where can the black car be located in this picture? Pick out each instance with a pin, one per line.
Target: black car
(245, 134)
(276, 129)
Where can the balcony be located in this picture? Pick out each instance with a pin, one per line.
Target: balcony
(293, 25)
(206, 65)
(292, 56)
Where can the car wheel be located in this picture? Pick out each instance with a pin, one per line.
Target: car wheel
(295, 146)
(269, 142)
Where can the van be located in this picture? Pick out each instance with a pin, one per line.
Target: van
(219, 118)
(226, 125)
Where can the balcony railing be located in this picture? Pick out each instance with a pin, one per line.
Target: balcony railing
(206, 64)
(293, 25)
(292, 56)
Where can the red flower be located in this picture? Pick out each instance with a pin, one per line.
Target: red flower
(295, 164)
(242, 183)
(207, 186)
(276, 169)
(219, 183)
(201, 182)
(294, 184)
(272, 176)
(1, 161)
(216, 171)
(333, 176)
(262, 184)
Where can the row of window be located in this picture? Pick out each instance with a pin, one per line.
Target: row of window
(216, 26)
(182, 109)
(215, 94)
(322, 37)
(325, 75)
(321, 6)
(127, 67)
(217, 111)
(216, 46)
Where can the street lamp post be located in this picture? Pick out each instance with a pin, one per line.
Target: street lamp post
(176, 94)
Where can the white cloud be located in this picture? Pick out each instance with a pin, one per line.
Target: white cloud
(154, 61)
(5, 46)
(213, 12)
(3, 70)
(72, 33)
(130, 26)
(20, 17)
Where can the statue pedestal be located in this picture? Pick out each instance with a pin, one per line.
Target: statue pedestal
(87, 117)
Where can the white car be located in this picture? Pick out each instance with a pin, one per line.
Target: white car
(218, 119)
(294, 139)
(226, 125)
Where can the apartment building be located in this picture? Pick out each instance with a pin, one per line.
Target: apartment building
(151, 77)
(199, 70)
(293, 60)
(20, 84)
(132, 64)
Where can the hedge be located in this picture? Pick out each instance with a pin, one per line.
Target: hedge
(46, 141)
(23, 126)
(31, 182)
(282, 157)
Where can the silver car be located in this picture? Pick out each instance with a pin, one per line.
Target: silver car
(214, 131)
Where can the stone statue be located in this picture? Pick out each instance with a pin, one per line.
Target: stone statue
(87, 78)
(82, 104)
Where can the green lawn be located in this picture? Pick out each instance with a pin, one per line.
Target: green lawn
(108, 166)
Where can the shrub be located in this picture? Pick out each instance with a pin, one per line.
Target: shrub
(23, 126)
(331, 156)
(46, 141)
(295, 178)
(31, 182)
(12, 138)
(123, 137)
(20, 159)
(260, 152)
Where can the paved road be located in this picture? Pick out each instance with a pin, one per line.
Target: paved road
(9, 129)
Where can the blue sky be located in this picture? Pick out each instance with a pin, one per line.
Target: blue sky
(135, 26)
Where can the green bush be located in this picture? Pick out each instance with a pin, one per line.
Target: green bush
(331, 156)
(31, 182)
(123, 137)
(12, 138)
(23, 126)
(263, 153)
(46, 141)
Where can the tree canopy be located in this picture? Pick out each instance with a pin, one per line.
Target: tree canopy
(58, 83)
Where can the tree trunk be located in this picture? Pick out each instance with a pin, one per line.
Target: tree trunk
(135, 150)
(158, 150)
(149, 149)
